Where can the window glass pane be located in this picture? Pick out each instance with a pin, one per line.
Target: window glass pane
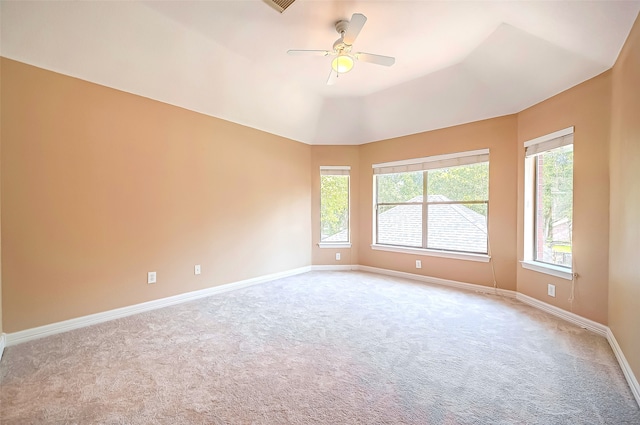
(456, 208)
(463, 183)
(334, 208)
(400, 225)
(554, 206)
(457, 227)
(401, 187)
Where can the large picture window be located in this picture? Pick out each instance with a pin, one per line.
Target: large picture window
(334, 205)
(437, 203)
(549, 199)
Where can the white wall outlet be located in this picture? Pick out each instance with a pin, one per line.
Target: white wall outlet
(196, 269)
(551, 290)
(418, 264)
(151, 277)
(337, 256)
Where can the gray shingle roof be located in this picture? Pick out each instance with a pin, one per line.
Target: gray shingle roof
(338, 237)
(452, 227)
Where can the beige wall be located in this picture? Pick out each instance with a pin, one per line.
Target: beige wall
(498, 135)
(335, 155)
(624, 246)
(587, 108)
(101, 186)
(1, 326)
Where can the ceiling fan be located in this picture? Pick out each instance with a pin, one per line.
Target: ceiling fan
(344, 58)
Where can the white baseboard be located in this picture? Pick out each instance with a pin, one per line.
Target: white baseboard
(439, 281)
(3, 342)
(583, 322)
(93, 319)
(80, 322)
(337, 267)
(624, 365)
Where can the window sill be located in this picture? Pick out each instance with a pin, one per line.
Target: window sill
(334, 245)
(549, 269)
(483, 258)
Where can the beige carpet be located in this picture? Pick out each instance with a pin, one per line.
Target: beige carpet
(322, 348)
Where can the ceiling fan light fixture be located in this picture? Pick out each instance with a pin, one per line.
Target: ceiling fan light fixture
(344, 59)
(342, 64)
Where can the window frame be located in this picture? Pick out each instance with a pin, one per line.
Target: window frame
(534, 148)
(336, 170)
(425, 165)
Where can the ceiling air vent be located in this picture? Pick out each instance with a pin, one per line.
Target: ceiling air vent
(279, 5)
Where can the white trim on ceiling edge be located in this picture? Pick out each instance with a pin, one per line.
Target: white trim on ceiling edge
(67, 325)
(93, 319)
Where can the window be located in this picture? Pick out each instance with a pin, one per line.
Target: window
(549, 200)
(436, 203)
(334, 205)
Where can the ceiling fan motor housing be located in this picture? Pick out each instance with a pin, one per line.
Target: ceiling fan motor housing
(340, 47)
(344, 60)
(341, 26)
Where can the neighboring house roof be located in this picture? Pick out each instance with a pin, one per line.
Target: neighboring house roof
(338, 237)
(459, 228)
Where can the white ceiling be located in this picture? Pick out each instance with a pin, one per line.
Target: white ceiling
(456, 61)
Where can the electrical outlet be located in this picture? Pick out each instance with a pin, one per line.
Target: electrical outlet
(418, 264)
(196, 269)
(551, 290)
(337, 256)
(151, 277)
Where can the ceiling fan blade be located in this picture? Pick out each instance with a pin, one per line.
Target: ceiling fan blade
(355, 26)
(377, 59)
(333, 76)
(308, 52)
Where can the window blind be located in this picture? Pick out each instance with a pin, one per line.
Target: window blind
(334, 170)
(550, 141)
(432, 162)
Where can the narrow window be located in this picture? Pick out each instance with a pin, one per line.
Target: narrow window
(549, 199)
(334, 204)
(437, 203)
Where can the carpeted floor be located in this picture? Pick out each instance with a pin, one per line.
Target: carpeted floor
(322, 348)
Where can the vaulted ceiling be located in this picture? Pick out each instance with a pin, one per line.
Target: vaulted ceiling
(456, 61)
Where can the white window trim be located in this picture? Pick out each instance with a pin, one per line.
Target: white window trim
(483, 258)
(428, 163)
(432, 162)
(550, 269)
(334, 245)
(529, 214)
(338, 170)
